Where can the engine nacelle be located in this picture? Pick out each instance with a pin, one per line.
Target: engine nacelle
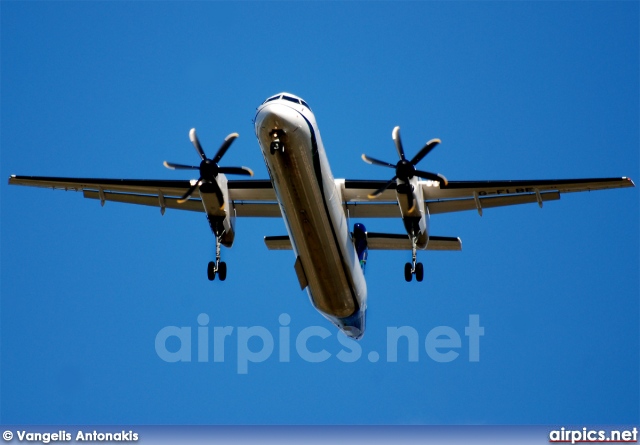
(220, 215)
(416, 221)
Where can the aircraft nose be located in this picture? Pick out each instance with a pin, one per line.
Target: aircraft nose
(277, 116)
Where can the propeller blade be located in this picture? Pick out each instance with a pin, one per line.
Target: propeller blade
(246, 171)
(425, 151)
(433, 176)
(224, 147)
(196, 143)
(187, 195)
(172, 166)
(375, 161)
(396, 138)
(382, 189)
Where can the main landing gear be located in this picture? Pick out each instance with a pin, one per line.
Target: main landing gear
(276, 141)
(413, 267)
(218, 267)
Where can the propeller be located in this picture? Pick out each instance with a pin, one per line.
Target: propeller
(405, 169)
(209, 168)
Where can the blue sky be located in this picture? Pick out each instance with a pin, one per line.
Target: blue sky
(515, 90)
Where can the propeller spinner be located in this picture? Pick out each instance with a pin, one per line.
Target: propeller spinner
(209, 168)
(405, 170)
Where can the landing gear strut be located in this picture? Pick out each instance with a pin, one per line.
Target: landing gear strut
(218, 267)
(413, 267)
(276, 141)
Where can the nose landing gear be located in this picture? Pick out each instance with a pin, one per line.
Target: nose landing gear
(276, 141)
(218, 267)
(413, 268)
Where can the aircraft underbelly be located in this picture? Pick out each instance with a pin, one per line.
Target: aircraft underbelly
(306, 203)
(311, 231)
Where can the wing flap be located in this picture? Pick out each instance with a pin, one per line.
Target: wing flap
(361, 210)
(251, 190)
(257, 209)
(458, 205)
(358, 190)
(194, 205)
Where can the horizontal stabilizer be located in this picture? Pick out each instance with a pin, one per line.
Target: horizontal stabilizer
(393, 241)
(378, 241)
(281, 242)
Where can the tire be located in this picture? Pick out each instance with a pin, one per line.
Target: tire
(407, 272)
(222, 271)
(211, 271)
(419, 272)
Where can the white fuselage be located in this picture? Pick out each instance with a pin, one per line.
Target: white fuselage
(311, 206)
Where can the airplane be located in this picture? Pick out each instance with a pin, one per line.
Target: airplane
(316, 208)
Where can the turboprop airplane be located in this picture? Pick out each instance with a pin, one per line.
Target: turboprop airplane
(316, 208)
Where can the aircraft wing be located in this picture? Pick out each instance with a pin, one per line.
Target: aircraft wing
(468, 195)
(254, 197)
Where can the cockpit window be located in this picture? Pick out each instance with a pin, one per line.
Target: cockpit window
(271, 98)
(291, 99)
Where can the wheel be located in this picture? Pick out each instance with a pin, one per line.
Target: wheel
(222, 271)
(211, 271)
(419, 272)
(407, 272)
